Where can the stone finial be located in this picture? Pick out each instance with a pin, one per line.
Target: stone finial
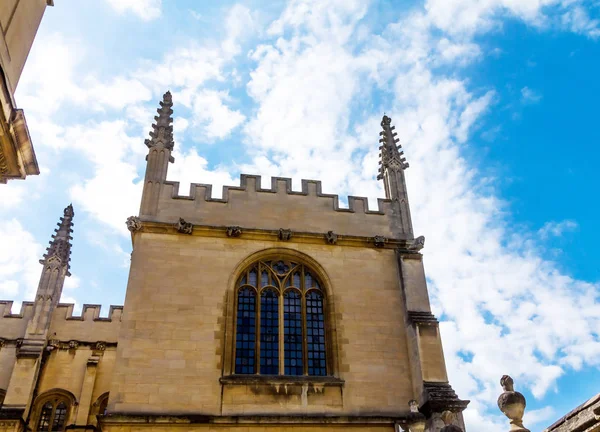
(162, 131)
(284, 234)
(331, 237)
(134, 223)
(234, 231)
(417, 244)
(379, 241)
(60, 246)
(512, 404)
(448, 418)
(391, 156)
(184, 227)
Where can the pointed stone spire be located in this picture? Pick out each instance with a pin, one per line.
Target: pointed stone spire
(160, 146)
(60, 246)
(162, 131)
(391, 157)
(391, 171)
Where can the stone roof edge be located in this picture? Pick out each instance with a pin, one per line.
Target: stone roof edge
(274, 189)
(573, 412)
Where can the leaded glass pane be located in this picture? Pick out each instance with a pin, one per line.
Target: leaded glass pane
(308, 280)
(60, 416)
(269, 333)
(296, 280)
(264, 278)
(292, 325)
(252, 277)
(245, 341)
(315, 334)
(44, 423)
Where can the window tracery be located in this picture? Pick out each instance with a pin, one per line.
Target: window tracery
(280, 320)
(53, 414)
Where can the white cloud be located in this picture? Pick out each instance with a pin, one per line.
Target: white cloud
(19, 266)
(529, 96)
(499, 297)
(147, 10)
(216, 120)
(557, 229)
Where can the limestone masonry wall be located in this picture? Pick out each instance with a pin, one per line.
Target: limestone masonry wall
(174, 343)
(251, 206)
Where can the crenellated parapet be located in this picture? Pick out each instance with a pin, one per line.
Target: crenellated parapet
(250, 205)
(65, 324)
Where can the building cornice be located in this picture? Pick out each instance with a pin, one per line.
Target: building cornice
(280, 235)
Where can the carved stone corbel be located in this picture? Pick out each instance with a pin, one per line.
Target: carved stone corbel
(184, 227)
(379, 241)
(100, 346)
(234, 231)
(73, 345)
(134, 223)
(331, 237)
(417, 244)
(284, 234)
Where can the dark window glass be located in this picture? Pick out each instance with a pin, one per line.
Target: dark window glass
(245, 341)
(44, 423)
(60, 415)
(292, 325)
(315, 334)
(269, 333)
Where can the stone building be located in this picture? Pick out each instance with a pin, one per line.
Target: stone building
(268, 309)
(584, 418)
(19, 21)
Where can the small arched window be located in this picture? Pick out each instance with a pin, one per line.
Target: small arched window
(53, 414)
(280, 320)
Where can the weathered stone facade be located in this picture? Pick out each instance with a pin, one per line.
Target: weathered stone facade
(170, 357)
(584, 418)
(19, 21)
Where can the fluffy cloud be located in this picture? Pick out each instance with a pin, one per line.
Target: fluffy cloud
(147, 10)
(19, 266)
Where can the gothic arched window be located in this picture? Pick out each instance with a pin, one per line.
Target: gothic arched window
(53, 414)
(280, 320)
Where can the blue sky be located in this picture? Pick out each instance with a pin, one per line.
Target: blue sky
(495, 104)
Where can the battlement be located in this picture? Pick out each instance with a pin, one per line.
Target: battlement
(65, 325)
(88, 312)
(249, 205)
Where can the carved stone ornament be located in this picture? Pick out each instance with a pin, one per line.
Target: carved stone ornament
(512, 404)
(184, 227)
(234, 231)
(73, 345)
(100, 346)
(134, 223)
(448, 418)
(379, 241)
(2, 343)
(284, 234)
(331, 237)
(417, 244)
(53, 344)
(416, 421)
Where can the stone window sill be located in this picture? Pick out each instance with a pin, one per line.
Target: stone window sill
(282, 380)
